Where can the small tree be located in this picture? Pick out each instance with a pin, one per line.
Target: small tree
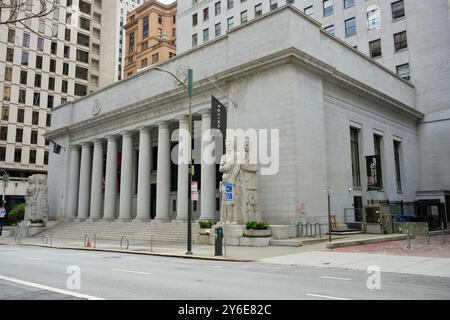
(17, 214)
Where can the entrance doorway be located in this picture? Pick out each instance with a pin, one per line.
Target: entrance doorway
(358, 208)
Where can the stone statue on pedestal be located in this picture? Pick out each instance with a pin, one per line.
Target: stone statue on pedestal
(238, 171)
(36, 198)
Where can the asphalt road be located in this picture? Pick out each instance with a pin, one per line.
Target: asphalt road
(42, 273)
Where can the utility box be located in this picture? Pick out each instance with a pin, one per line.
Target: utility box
(218, 241)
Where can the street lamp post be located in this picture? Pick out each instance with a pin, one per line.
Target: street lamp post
(189, 88)
(328, 191)
(5, 179)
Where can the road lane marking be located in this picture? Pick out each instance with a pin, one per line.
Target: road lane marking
(216, 267)
(335, 278)
(326, 297)
(47, 288)
(34, 259)
(132, 271)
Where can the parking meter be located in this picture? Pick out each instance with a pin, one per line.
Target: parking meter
(218, 241)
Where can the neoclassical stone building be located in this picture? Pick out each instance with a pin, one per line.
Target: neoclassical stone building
(331, 104)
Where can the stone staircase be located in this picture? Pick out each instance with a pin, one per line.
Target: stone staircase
(159, 231)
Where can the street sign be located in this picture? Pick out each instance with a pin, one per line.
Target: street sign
(229, 192)
(373, 164)
(218, 116)
(194, 191)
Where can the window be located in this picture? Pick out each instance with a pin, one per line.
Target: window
(230, 23)
(80, 89)
(83, 39)
(244, 16)
(26, 40)
(9, 54)
(377, 151)
(23, 77)
(398, 10)
(18, 155)
(67, 35)
(194, 19)
(403, 71)
(144, 45)
(39, 62)
(327, 7)
(82, 56)
(2, 153)
(309, 11)
(131, 43)
(48, 122)
(5, 113)
(230, 4)
(34, 136)
(11, 35)
(65, 69)
(273, 4)
(84, 23)
(350, 27)
(53, 47)
(330, 29)
(24, 60)
(217, 8)
(85, 7)
(64, 85)
(373, 17)
(42, 26)
(3, 133)
(19, 135)
(51, 83)
(40, 44)
(218, 30)
(375, 48)
(6, 93)
(55, 30)
(160, 19)
(66, 52)
(22, 96)
(37, 80)
(194, 40)
(155, 58)
(46, 157)
(354, 145)
(290, 1)
(20, 115)
(8, 73)
(81, 73)
(206, 14)
(35, 118)
(398, 176)
(159, 32)
(349, 3)
(144, 63)
(32, 157)
(50, 101)
(400, 41)
(36, 99)
(258, 10)
(206, 35)
(145, 28)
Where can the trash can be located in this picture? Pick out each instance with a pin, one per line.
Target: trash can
(218, 241)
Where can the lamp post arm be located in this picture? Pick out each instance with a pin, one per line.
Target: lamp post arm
(174, 76)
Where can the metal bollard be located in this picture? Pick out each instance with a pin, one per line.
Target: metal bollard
(51, 239)
(407, 234)
(151, 243)
(95, 240)
(444, 240)
(427, 230)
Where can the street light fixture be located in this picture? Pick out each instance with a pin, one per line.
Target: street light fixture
(189, 88)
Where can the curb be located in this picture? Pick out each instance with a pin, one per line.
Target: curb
(349, 243)
(169, 255)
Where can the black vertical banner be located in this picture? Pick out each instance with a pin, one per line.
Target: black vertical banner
(373, 164)
(218, 116)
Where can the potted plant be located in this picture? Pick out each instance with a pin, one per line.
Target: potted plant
(36, 223)
(256, 229)
(17, 214)
(205, 227)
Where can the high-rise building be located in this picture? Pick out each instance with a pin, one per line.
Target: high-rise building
(48, 61)
(408, 37)
(150, 34)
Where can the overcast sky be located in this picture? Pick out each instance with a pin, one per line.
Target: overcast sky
(166, 1)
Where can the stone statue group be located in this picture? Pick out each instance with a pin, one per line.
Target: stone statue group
(36, 198)
(242, 175)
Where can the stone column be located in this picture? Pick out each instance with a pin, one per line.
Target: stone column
(184, 143)
(126, 177)
(85, 182)
(163, 174)
(208, 176)
(96, 184)
(109, 213)
(143, 192)
(74, 179)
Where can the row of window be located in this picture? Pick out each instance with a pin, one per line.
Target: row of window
(355, 156)
(21, 118)
(18, 155)
(373, 12)
(19, 135)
